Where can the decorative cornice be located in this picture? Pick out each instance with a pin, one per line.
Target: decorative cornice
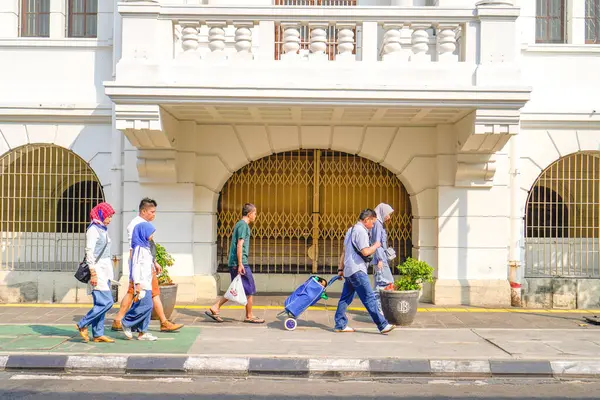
(472, 97)
(56, 113)
(557, 120)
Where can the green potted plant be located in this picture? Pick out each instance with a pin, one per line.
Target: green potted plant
(400, 305)
(168, 289)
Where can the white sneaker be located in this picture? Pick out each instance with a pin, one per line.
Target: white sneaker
(346, 329)
(127, 332)
(148, 337)
(388, 328)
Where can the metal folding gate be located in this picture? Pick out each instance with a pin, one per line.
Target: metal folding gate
(46, 194)
(306, 201)
(562, 222)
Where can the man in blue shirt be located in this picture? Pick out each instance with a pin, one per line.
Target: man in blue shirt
(353, 267)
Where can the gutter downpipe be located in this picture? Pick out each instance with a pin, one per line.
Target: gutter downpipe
(117, 146)
(516, 224)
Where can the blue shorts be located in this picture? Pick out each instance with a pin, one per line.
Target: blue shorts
(247, 280)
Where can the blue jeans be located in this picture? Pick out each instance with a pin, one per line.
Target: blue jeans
(138, 316)
(358, 283)
(103, 301)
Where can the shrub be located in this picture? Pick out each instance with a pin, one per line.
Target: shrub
(165, 260)
(412, 274)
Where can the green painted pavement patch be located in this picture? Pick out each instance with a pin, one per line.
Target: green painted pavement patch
(65, 339)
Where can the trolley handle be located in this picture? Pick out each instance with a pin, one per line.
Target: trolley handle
(335, 278)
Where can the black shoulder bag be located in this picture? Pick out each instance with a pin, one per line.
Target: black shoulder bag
(366, 259)
(83, 273)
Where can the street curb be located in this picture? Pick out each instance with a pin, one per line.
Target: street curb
(296, 366)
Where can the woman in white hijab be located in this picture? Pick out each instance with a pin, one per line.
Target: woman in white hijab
(384, 278)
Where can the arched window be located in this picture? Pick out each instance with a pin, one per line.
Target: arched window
(306, 202)
(562, 224)
(74, 206)
(547, 215)
(46, 192)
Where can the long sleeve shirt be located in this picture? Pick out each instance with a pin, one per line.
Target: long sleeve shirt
(95, 240)
(141, 267)
(378, 234)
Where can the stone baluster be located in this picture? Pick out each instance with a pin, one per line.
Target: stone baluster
(189, 39)
(392, 46)
(243, 40)
(216, 40)
(318, 41)
(345, 43)
(420, 42)
(291, 41)
(446, 43)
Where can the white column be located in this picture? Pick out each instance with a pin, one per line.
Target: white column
(392, 48)
(420, 42)
(575, 22)
(291, 41)
(318, 41)
(216, 41)
(58, 19)
(446, 43)
(243, 40)
(9, 18)
(402, 3)
(189, 40)
(345, 42)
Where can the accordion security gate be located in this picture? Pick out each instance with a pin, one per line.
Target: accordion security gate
(46, 194)
(306, 201)
(562, 224)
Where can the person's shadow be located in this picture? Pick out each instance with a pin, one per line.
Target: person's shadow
(44, 330)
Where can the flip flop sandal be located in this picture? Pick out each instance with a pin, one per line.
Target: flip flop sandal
(254, 320)
(214, 317)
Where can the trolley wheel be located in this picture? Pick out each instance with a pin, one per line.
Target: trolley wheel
(290, 324)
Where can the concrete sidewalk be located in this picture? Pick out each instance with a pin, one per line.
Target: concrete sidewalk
(460, 341)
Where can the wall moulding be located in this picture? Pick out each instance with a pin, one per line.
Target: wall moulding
(147, 126)
(475, 170)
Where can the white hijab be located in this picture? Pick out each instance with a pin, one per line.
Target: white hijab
(383, 210)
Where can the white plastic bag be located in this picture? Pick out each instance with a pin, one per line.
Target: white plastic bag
(235, 291)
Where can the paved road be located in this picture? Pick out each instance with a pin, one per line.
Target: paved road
(14, 386)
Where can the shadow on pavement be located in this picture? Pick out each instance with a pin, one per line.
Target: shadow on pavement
(45, 330)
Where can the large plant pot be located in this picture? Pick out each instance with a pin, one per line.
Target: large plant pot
(168, 297)
(400, 307)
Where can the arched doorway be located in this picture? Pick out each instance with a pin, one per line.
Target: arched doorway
(562, 222)
(46, 192)
(307, 199)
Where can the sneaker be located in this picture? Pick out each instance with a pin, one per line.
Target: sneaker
(148, 337)
(168, 326)
(127, 332)
(346, 329)
(388, 328)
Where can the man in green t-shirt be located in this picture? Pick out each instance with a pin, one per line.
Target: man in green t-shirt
(238, 265)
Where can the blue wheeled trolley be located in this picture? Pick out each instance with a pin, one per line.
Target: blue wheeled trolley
(306, 295)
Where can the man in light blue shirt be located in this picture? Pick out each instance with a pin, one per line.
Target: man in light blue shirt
(354, 261)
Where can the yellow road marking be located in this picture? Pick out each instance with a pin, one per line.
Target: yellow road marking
(333, 307)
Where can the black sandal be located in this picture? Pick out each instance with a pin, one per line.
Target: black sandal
(215, 317)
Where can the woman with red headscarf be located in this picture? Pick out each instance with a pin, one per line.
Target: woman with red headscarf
(97, 253)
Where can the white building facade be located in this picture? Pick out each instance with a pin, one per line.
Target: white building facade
(476, 120)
